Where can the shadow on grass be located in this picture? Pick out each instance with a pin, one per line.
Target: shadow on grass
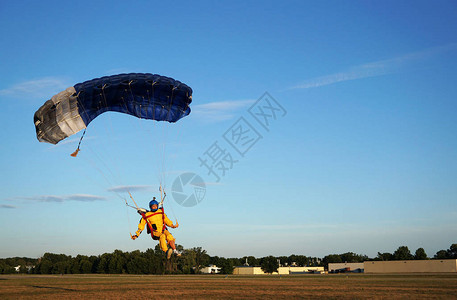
(53, 287)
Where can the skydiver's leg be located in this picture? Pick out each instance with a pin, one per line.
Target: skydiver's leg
(170, 239)
(172, 244)
(163, 242)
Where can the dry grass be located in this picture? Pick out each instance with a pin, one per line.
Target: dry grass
(353, 286)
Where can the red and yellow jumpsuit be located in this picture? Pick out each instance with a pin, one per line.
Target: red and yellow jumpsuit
(158, 229)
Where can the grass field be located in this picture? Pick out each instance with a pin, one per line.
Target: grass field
(417, 286)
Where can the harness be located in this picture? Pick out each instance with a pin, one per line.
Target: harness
(151, 229)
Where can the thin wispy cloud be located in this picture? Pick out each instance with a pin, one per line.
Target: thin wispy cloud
(7, 206)
(220, 111)
(376, 68)
(38, 88)
(63, 198)
(130, 188)
(209, 183)
(281, 227)
(117, 71)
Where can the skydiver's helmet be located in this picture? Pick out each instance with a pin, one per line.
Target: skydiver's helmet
(151, 203)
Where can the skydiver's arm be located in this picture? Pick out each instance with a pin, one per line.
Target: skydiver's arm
(168, 222)
(140, 226)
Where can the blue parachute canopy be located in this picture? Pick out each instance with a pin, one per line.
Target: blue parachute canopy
(143, 95)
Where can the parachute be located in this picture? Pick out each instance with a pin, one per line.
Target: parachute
(143, 95)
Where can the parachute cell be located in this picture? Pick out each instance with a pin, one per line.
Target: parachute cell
(143, 95)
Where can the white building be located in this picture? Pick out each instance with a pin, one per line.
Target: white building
(243, 270)
(211, 269)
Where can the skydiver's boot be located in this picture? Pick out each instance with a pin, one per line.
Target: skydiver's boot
(169, 253)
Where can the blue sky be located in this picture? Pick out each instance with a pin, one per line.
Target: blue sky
(362, 159)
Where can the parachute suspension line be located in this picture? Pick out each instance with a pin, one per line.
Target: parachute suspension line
(95, 154)
(110, 134)
(142, 124)
(80, 97)
(102, 173)
(157, 162)
(119, 180)
(94, 166)
(165, 133)
(179, 132)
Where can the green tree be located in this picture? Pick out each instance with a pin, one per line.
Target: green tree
(94, 260)
(23, 269)
(402, 253)
(45, 267)
(301, 260)
(447, 254)
(331, 258)
(117, 263)
(252, 261)
(61, 267)
(283, 260)
(154, 258)
(187, 262)
(201, 258)
(226, 265)
(384, 256)
(6, 269)
(85, 266)
(269, 264)
(420, 254)
(136, 263)
(442, 254)
(351, 257)
(103, 264)
(452, 252)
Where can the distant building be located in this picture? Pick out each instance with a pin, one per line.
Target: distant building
(245, 270)
(18, 268)
(412, 266)
(211, 269)
(246, 264)
(345, 267)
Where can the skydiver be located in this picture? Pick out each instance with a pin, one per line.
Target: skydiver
(157, 222)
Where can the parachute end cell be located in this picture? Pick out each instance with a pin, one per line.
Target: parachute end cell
(58, 118)
(74, 154)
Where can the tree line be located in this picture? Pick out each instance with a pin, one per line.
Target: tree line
(402, 253)
(191, 261)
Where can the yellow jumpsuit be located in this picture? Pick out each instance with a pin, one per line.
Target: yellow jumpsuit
(156, 222)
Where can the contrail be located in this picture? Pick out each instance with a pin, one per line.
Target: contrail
(376, 68)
